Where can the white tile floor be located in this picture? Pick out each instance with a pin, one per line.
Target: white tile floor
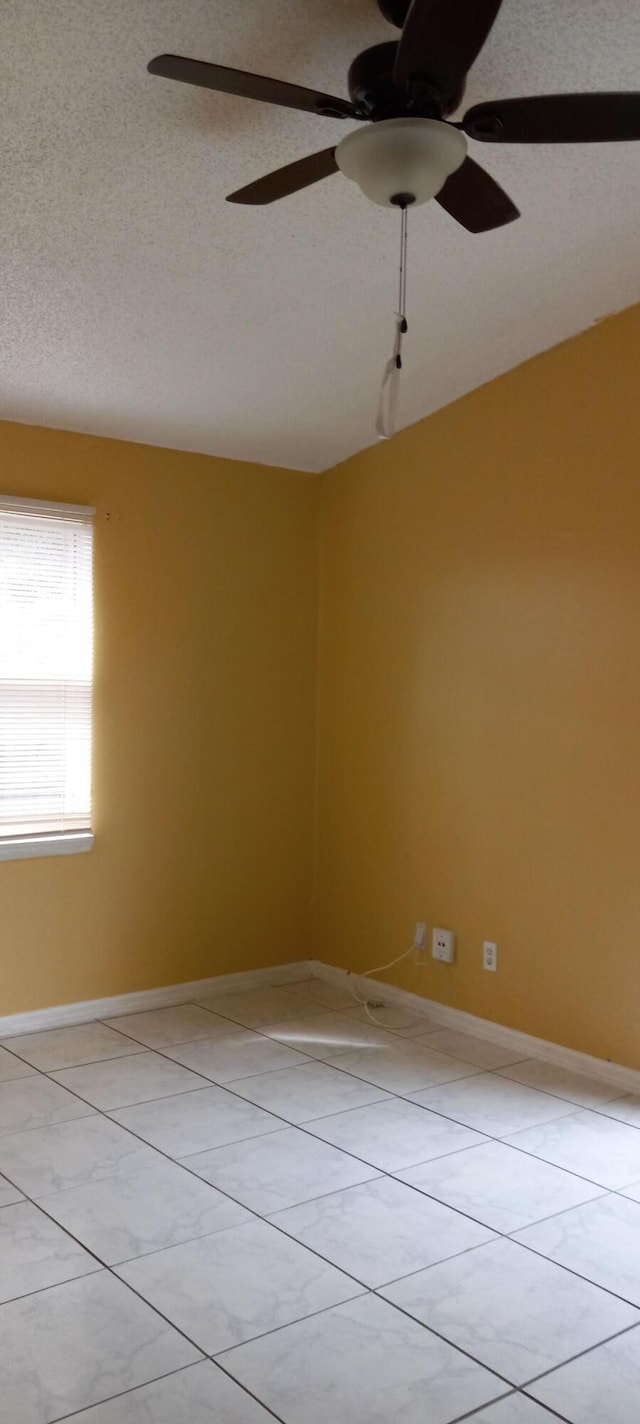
(393, 1224)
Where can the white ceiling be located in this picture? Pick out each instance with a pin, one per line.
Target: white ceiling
(136, 303)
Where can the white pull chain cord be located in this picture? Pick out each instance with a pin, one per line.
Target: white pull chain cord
(389, 390)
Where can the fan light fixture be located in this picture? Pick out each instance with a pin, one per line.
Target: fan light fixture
(401, 162)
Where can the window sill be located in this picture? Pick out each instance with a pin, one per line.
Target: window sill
(59, 843)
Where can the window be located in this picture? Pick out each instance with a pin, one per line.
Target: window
(46, 657)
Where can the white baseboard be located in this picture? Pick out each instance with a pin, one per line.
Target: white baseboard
(441, 1015)
(63, 1015)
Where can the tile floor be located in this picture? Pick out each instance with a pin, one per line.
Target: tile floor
(265, 1207)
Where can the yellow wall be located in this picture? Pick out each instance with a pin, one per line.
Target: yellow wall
(204, 712)
(480, 697)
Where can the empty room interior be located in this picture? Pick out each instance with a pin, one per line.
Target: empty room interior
(319, 712)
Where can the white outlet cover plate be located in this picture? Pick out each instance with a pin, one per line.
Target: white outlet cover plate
(443, 945)
(490, 956)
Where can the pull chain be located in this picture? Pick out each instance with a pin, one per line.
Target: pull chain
(388, 402)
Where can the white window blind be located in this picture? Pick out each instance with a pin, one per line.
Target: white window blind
(46, 660)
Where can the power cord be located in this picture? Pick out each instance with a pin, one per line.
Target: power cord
(367, 1004)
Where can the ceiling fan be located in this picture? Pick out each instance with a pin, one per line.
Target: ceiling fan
(403, 91)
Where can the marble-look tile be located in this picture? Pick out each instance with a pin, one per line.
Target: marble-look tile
(76, 1344)
(323, 1035)
(362, 1363)
(326, 993)
(201, 1394)
(12, 1067)
(602, 1387)
(35, 1253)
(391, 1018)
(280, 1170)
(66, 1047)
(158, 1027)
(257, 1007)
(626, 1109)
(381, 1230)
(492, 1104)
(511, 1310)
(515, 1409)
(144, 1212)
(503, 1188)
(394, 1134)
(470, 1048)
(632, 1192)
(228, 1288)
(48, 1159)
(401, 1067)
(236, 1055)
(10, 1194)
(193, 1122)
(562, 1083)
(121, 1082)
(587, 1143)
(600, 1241)
(311, 1091)
(36, 1102)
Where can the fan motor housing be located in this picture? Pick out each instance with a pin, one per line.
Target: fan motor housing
(375, 93)
(395, 11)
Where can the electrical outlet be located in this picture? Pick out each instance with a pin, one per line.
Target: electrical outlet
(442, 945)
(420, 942)
(490, 956)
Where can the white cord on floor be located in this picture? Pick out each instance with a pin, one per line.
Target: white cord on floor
(379, 969)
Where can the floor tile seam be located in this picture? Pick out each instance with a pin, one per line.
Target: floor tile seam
(491, 1073)
(528, 1384)
(485, 1245)
(513, 1385)
(121, 1107)
(622, 1122)
(550, 1093)
(66, 1280)
(572, 1271)
(44, 1126)
(377, 1292)
(571, 1170)
(186, 1003)
(64, 1067)
(516, 1393)
(506, 1235)
(76, 1413)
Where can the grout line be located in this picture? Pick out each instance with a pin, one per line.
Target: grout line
(146, 1384)
(514, 1394)
(579, 1356)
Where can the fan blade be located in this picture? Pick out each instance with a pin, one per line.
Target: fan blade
(288, 179)
(249, 86)
(475, 200)
(556, 118)
(441, 39)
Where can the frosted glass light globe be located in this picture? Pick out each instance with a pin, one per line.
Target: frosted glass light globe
(401, 159)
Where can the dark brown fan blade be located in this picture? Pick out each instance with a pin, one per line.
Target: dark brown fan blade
(249, 86)
(556, 118)
(473, 198)
(441, 39)
(289, 179)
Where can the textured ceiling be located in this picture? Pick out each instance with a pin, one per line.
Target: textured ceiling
(136, 303)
